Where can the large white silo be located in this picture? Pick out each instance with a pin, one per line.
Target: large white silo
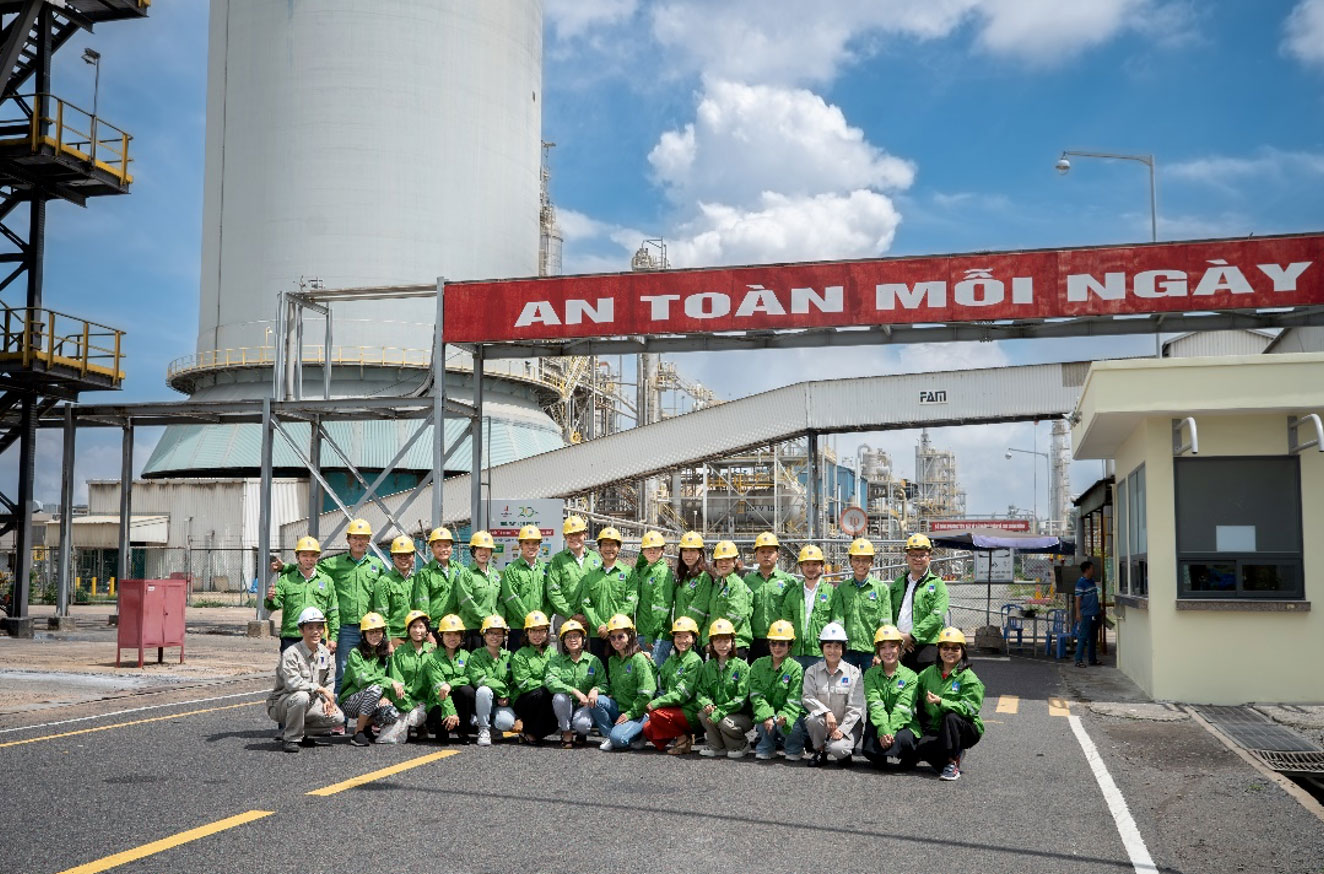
(363, 143)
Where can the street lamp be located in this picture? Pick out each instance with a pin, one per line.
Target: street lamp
(1035, 468)
(93, 57)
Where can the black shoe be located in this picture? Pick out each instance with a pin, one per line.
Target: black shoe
(290, 746)
(844, 763)
(1096, 663)
(360, 739)
(313, 742)
(817, 760)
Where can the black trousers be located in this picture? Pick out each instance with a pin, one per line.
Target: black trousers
(903, 747)
(515, 639)
(463, 696)
(919, 658)
(535, 710)
(955, 735)
(759, 648)
(598, 647)
(473, 640)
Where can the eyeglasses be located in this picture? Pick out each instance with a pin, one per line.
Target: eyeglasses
(948, 647)
(620, 636)
(772, 643)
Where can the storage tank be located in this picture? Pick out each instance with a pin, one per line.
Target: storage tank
(361, 143)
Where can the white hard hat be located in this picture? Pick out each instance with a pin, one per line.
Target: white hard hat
(311, 614)
(832, 631)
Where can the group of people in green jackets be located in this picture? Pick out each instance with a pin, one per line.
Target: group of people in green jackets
(647, 653)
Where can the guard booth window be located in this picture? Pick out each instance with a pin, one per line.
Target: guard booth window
(1132, 538)
(1239, 527)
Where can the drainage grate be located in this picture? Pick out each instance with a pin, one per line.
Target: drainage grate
(1291, 762)
(1256, 732)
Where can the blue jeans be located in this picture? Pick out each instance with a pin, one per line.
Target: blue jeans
(1087, 638)
(768, 741)
(795, 743)
(861, 660)
(661, 648)
(605, 715)
(346, 639)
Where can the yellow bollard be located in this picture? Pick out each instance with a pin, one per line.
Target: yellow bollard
(112, 587)
(94, 587)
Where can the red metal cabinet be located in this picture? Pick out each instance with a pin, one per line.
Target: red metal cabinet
(151, 613)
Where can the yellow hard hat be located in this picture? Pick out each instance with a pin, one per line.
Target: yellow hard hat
(442, 533)
(652, 540)
(450, 622)
(494, 621)
(781, 630)
(402, 545)
(610, 533)
(620, 622)
(691, 540)
(530, 532)
(725, 549)
(685, 623)
(767, 538)
(809, 552)
(918, 541)
(371, 621)
(951, 634)
(721, 626)
(571, 625)
(861, 546)
(416, 614)
(359, 526)
(536, 619)
(574, 525)
(481, 540)
(887, 632)
(307, 544)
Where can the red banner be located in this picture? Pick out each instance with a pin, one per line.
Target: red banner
(939, 525)
(1240, 274)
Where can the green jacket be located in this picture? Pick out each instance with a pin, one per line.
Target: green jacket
(657, 590)
(961, 692)
(767, 596)
(564, 674)
(731, 600)
(364, 671)
(632, 683)
(455, 672)
(522, 590)
(294, 593)
(862, 607)
(726, 687)
(476, 595)
(608, 592)
(678, 684)
(494, 673)
(393, 597)
(692, 598)
(434, 588)
(793, 608)
(528, 668)
(354, 582)
(928, 610)
(565, 580)
(776, 692)
(890, 701)
(410, 667)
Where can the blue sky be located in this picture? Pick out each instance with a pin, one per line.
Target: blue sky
(749, 131)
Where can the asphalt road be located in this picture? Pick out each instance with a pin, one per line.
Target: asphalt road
(1028, 801)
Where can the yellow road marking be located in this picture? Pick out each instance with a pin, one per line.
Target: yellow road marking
(384, 772)
(33, 740)
(154, 847)
(1058, 707)
(1009, 704)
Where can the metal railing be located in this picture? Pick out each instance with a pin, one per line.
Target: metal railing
(256, 356)
(73, 131)
(31, 335)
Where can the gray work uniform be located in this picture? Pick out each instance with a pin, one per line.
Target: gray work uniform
(294, 701)
(840, 691)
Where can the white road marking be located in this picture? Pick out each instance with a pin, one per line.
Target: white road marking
(1141, 861)
(131, 710)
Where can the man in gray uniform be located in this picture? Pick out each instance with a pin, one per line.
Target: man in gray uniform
(303, 700)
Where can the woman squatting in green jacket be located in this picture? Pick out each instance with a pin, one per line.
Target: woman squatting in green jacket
(448, 678)
(889, 698)
(409, 666)
(952, 696)
(620, 715)
(366, 682)
(674, 713)
(528, 670)
(575, 678)
(489, 672)
(775, 686)
(723, 695)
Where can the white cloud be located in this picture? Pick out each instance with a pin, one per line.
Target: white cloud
(577, 226)
(1303, 32)
(1049, 31)
(1268, 162)
(572, 18)
(747, 139)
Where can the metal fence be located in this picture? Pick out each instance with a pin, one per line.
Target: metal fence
(216, 576)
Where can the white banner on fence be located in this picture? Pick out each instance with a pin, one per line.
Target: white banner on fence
(508, 517)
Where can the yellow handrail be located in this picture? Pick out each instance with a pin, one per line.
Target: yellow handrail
(45, 335)
(64, 133)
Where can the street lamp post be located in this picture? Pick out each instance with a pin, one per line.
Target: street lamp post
(1035, 468)
(93, 57)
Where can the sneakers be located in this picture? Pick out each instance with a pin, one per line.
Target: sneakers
(605, 746)
(708, 753)
(360, 739)
(737, 754)
(950, 771)
(313, 742)
(1080, 664)
(763, 757)
(339, 729)
(792, 757)
(484, 737)
(290, 746)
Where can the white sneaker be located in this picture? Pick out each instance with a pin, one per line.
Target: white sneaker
(763, 757)
(605, 746)
(484, 737)
(737, 754)
(708, 752)
(792, 757)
